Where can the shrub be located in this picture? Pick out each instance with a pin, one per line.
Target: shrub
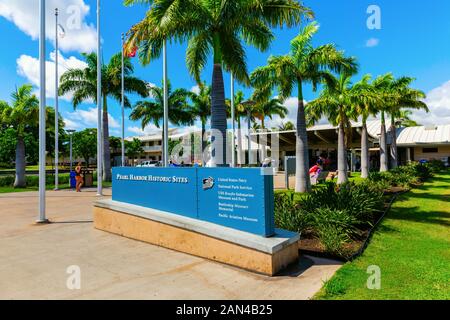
(422, 170)
(360, 200)
(6, 181)
(33, 180)
(403, 176)
(436, 165)
(288, 214)
(5, 165)
(334, 226)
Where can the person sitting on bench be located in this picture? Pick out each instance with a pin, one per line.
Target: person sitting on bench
(314, 172)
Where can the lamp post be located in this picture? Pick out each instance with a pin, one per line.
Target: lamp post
(99, 107)
(70, 132)
(249, 105)
(123, 104)
(166, 108)
(57, 25)
(42, 104)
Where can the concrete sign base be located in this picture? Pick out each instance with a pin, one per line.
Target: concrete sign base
(200, 238)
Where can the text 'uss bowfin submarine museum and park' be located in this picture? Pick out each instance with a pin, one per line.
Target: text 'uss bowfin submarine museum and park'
(223, 214)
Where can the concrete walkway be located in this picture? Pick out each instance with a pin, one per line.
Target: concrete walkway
(34, 260)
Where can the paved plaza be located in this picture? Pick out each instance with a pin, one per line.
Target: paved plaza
(34, 260)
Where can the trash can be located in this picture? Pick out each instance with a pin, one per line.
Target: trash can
(88, 179)
(73, 180)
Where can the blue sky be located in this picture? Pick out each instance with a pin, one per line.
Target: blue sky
(414, 40)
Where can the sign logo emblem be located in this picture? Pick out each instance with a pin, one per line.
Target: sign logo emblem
(208, 183)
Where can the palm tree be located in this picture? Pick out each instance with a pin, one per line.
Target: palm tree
(405, 120)
(395, 94)
(267, 108)
(304, 64)
(241, 111)
(382, 85)
(404, 97)
(153, 111)
(365, 101)
(285, 126)
(336, 102)
(201, 108)
(217, 28)
(83, 84)
(22, 115)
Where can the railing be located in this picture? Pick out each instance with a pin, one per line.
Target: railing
(152, 148)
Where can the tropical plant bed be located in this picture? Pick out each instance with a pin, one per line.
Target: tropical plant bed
(311, 245)
(336, 221)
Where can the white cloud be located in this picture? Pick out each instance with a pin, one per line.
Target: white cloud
(28, 67)
(438, 101)
(79, 35)
(81, 119)
(195, 89)
(151, 85)
(150, 129)
(372, 42)
(188, 129)
(291, 104)
(71, 125)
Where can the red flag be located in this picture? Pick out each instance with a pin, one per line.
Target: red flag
(132, 53)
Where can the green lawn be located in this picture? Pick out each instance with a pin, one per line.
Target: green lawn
(356, 177)
(35, 167)
(411, 247)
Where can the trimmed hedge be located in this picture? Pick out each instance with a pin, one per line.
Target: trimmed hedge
(33, 181)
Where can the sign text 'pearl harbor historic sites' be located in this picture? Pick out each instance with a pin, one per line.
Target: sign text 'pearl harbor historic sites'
(241, 199)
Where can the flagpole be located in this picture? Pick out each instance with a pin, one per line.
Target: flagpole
(56, 104)
(123, 104)
(233, 155)
(166, 108)
(42, 104)
(249, 140)
(99, 107)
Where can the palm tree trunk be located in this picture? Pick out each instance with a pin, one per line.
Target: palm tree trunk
(218, 118)
(383, 145)
(393, 130)
(20, 181)
(106, 150)
(364, 150)
(239, 143)
(342, 156)
(302, 180)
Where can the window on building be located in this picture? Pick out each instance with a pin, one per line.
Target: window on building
(430, 150)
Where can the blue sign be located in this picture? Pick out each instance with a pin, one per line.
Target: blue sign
(237, 198)
(168, 189)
